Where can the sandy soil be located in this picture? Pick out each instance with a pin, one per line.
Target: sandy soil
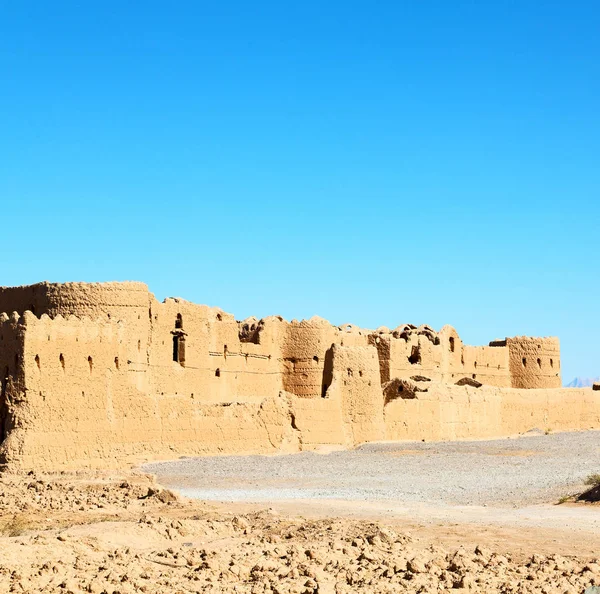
(118, 533)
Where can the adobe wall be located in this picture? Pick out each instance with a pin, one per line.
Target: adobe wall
(355, 384)
(447, 412)
(307, 354)
(105, 375)
(12, 380)
(534, 362)
(85, 406)
(439, 356)
(126, 301)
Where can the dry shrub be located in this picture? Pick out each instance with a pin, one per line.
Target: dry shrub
(593, 480)
(15, 525)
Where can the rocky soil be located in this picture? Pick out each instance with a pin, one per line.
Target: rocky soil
(103, 533)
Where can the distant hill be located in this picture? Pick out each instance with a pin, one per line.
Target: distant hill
(582, 382)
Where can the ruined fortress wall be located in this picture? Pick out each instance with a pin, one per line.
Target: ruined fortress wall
(86, 409)
(123, 300)
(445, 412)
(217, 366)
(356, 386)
(448, 361)
(76, 380)
(451, 412)
(12, 380)
(318, 422)
(415, 356)
(105, 375)
(82, 405)
(304, 351)
(488, 365)
(534, 362)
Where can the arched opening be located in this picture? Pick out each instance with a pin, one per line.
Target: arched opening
(61, 358)
(524, 361)
(139, 345)
(225, 351)
(179, 322)
(117, 362)
(451, 342)
(349, 372)
(91, 363)
(37, 361)
(475, 364)
(219, 317)
(217, 372)
(179, 349)
(316, 359)
(551, 362)
(539, 362)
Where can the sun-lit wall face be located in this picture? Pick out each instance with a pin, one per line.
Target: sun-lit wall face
(534, 362)
(104, 374)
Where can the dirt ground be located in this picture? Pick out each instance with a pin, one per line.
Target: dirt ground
(121, 533)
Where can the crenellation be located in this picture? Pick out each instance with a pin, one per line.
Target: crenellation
(103, 372)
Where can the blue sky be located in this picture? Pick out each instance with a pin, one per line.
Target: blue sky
(372, 162)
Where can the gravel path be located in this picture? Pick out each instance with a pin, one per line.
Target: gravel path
(526, 470)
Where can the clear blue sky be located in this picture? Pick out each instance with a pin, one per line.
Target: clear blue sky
(372, 162)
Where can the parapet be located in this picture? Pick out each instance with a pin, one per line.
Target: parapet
(534, 362)
(121, 300)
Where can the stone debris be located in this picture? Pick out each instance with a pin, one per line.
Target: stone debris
(115, 537)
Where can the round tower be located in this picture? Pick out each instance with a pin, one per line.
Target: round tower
(534, 362)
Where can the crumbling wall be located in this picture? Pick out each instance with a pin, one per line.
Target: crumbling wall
(318, 422)
(488, 365)
(448, 412)
(444, 412)
(198, 351)
(126, 301)
(12, 380)
(128, 378)
(356, 385)
(305, 344)
(84, 405)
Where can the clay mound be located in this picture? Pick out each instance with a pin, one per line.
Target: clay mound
(468, 381)
(591, 495)
(406, 389)
(249, 330)
(404, 331)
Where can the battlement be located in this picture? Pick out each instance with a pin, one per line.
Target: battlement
(107, 363)
(157, 334)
